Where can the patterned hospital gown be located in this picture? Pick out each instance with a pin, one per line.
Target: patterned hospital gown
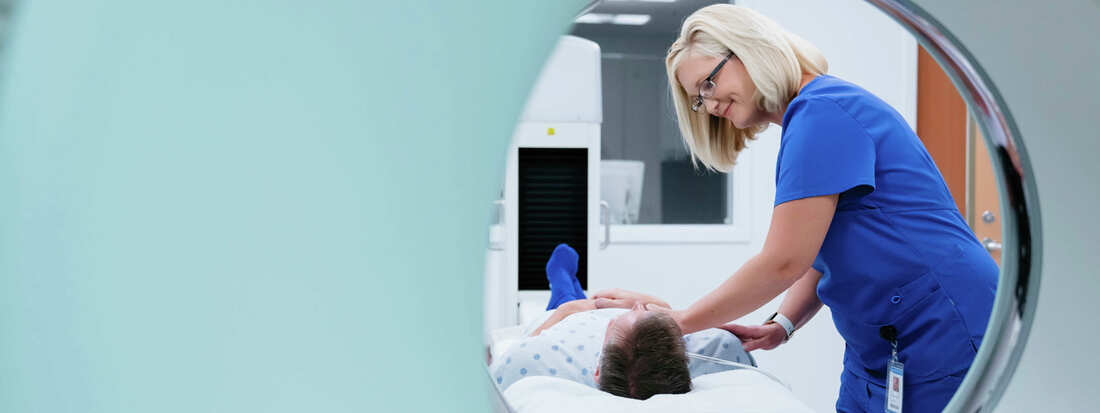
(571, 350)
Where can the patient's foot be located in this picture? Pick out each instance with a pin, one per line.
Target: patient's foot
(561, 272)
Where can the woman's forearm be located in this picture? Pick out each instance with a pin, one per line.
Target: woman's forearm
(795, 236)
(801, 302)
(760, 280)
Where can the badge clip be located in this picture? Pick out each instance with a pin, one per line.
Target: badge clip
(895, 377)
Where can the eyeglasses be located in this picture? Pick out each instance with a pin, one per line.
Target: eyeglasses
(706, 89)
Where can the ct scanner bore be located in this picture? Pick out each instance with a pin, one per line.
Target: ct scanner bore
(1018, 290)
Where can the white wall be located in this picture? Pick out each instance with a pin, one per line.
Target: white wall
(1043, 58)
(863, 46)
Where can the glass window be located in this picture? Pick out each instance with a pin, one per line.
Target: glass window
(641, 141)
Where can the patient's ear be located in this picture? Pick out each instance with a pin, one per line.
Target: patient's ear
(596, 375)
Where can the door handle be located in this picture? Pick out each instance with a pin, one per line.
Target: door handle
(991, 245)
(605, 219)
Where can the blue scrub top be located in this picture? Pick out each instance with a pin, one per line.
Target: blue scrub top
(898, 252)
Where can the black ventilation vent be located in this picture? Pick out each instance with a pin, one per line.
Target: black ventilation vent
(553, 209)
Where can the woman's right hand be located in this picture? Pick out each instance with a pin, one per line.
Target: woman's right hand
(766, 337)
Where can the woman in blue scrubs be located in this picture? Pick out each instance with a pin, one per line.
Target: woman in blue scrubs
(862, 222)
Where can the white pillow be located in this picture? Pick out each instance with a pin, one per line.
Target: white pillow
(727, 391)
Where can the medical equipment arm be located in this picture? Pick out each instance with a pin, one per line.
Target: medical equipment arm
(797, 231)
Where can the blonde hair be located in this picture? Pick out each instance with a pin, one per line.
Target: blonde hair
(774, 58)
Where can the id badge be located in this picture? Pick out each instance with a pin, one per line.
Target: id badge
(894, 384)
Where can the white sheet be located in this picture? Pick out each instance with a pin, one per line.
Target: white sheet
(728, 391)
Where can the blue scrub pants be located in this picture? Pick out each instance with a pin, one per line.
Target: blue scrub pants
(858, 395)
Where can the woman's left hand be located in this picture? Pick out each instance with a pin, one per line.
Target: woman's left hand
(761, 337)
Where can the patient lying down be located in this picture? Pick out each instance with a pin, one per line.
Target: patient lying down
(632, 353)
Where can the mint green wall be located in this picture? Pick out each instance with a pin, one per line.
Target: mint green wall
(215, 205)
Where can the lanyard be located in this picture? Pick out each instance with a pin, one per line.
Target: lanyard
(895, 371)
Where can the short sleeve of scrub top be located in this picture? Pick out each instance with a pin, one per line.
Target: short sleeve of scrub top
(824, 151)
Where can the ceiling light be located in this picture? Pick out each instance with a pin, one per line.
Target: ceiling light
(631, 19)
(595, 18)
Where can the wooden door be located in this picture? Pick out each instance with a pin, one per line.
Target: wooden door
(955, 143)
(984, 213)
(941, 124)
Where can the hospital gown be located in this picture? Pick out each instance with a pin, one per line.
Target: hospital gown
(571, 349)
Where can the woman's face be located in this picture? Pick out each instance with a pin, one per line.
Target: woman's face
(733, 94)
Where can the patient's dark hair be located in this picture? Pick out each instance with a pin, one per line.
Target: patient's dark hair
(648, 360)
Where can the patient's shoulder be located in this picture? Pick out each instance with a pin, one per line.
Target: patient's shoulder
(716, 342)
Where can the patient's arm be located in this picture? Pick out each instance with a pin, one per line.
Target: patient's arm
(620, 298)
(565, 310)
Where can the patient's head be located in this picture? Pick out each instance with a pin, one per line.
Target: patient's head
(643, 355)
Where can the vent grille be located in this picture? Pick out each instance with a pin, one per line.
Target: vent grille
(553, 209)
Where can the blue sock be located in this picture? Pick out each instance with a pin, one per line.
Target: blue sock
(577, 290)
(561, 272)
